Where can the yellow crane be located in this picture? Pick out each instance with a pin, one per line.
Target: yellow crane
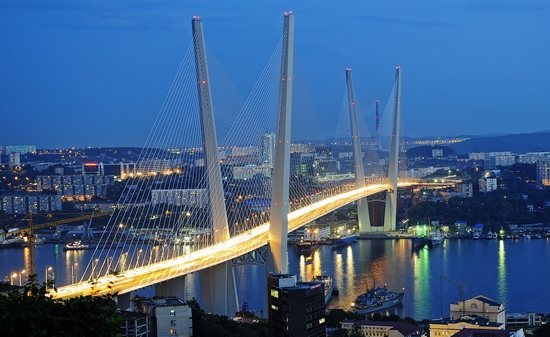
(28, 233)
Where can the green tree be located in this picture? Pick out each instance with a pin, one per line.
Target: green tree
(33, 312)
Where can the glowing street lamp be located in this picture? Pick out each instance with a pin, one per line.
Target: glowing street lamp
(72, 272)
(47, 269)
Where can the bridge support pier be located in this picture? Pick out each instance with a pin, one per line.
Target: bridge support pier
(219, 290)
(390, 216)
(172, 287)
(123, 300)
(363, 216)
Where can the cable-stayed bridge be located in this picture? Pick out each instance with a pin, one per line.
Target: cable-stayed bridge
(193, 205)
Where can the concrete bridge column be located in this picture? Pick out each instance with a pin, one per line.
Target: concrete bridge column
(123, 300)
(219, 290)
(173, 287)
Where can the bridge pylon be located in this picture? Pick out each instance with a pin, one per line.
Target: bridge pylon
(218, 293)
(362, 204)
(278, 230)
(390, 214)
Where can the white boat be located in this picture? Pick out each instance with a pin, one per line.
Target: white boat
(77, 245)
(489, 235)
(436, 237)
(476, 236)
(329, 287)
(36, 240)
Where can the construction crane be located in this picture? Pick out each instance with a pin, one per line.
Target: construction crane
(460, 290)
(28, 233)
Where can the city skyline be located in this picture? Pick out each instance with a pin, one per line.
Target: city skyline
(96, 74)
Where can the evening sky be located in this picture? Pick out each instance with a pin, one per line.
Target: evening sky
(95, 73)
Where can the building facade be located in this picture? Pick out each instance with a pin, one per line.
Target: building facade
(543, 171)
(29, 202)
(180, 197)
(480, 306)
(382, 329)
(488, 184)
(295, 308)
(171, 317)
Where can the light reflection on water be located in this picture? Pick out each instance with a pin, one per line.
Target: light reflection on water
(507, 271)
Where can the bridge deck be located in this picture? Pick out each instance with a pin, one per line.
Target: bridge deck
(141, 277)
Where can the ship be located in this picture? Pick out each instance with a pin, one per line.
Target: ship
(419, 241)
(78, 245)
(36, 240)
(376, 299)
(307, 246)
(343, 240)
(436, 238)
(329, 287)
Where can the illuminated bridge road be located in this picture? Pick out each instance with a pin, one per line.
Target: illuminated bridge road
(134, 279)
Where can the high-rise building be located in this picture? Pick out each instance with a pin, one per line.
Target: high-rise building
(15, 159)
(543, 171)
(488, 184)
(267, 148)
(295, 308)
(22, 149)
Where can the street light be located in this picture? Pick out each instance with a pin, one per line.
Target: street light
(21, 277)
(12, 276)
(72, 272)
(47, 269)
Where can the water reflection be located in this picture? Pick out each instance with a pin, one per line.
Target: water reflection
(505, 271)
(421, 286)
(502, 285)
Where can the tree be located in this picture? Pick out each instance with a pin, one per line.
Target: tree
(33, 312)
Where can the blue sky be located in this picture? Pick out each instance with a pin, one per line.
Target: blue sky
(95, 73)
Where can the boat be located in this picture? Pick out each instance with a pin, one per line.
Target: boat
(376, 299)
(77, 245)
(436, 237)
(489, 235)
(307, 246)
(36, 240)
(329, 287)
(344, 240)
(476, 236)
(419, 241)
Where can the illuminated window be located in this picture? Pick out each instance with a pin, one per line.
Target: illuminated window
(172, 312)
(274, 307)
(173, 332)
(322, 320)
(274, 293)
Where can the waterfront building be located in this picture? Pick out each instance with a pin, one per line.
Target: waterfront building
(295, 308)
(448, 327)
(481, 306)
(171, 316)
(523, 320)
(381, 328)
(469, 332)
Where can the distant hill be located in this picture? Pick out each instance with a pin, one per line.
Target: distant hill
(519, 143)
